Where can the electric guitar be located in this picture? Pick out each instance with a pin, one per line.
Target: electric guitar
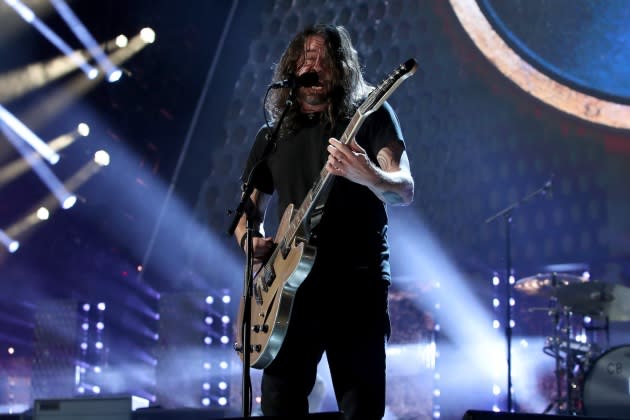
(277, 281)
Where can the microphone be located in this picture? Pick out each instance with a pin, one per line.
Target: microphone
(306, 80)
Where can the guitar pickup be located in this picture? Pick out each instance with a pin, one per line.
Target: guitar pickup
(269, 276)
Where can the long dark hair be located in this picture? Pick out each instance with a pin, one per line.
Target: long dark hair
(348, 85)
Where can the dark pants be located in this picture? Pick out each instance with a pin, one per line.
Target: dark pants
(345, 315)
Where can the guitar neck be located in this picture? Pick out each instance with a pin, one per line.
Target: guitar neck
(323, 182)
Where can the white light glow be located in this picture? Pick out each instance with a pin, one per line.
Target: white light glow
(69, 202)
(11, 244)
(43, 213)
(101, 306)
(14, 246)
(205, 401)
(225, 319)
(114, 76)
(83, 129)
(147, 35)
(222, 385)
(101, 157)
(222, 401)
(227, 299)
(209, 300)
(121, 41)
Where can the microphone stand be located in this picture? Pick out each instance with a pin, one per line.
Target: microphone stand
(247, 291)
(506, 213)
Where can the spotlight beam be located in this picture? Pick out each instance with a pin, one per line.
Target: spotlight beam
(27, 135)
(11, 244)
(45, 174)
(81, 32)
(29, 16)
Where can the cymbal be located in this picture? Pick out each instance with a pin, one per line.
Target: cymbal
(546, 284)
(597, 299)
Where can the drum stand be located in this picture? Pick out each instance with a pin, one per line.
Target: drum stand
(570, 358)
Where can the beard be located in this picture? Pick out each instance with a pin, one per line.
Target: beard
(314, 96)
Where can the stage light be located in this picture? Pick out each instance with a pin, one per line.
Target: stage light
(121, 41)
(225, 319)
(11, 350)
(11, 244)
(114, 76)
(208, 320)
(28, 15)
(83, 129)
(100, 325)
(222, 386)
(86, 307)
(207, 340)
(206, 365)
(25, 134)
(209, 300)
(43, 213)
(14, 246)
(205, 401)
(101, 306)
(226, 299)
(81, 32)
(222, 401)
(69, 202)
(101, 157)
(225, 339)
(85, 326)
(147, 35)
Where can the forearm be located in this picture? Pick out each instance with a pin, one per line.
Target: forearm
(254, 208)
(393, 188)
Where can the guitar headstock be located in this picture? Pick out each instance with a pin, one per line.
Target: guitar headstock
(387, 87)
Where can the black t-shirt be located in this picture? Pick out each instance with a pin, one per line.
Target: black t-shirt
(353, 230)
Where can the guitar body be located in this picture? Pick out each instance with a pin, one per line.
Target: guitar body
(272, 300)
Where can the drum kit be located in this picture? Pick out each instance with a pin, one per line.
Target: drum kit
(590, 379)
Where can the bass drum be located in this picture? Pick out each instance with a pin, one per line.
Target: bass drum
(606, 390)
